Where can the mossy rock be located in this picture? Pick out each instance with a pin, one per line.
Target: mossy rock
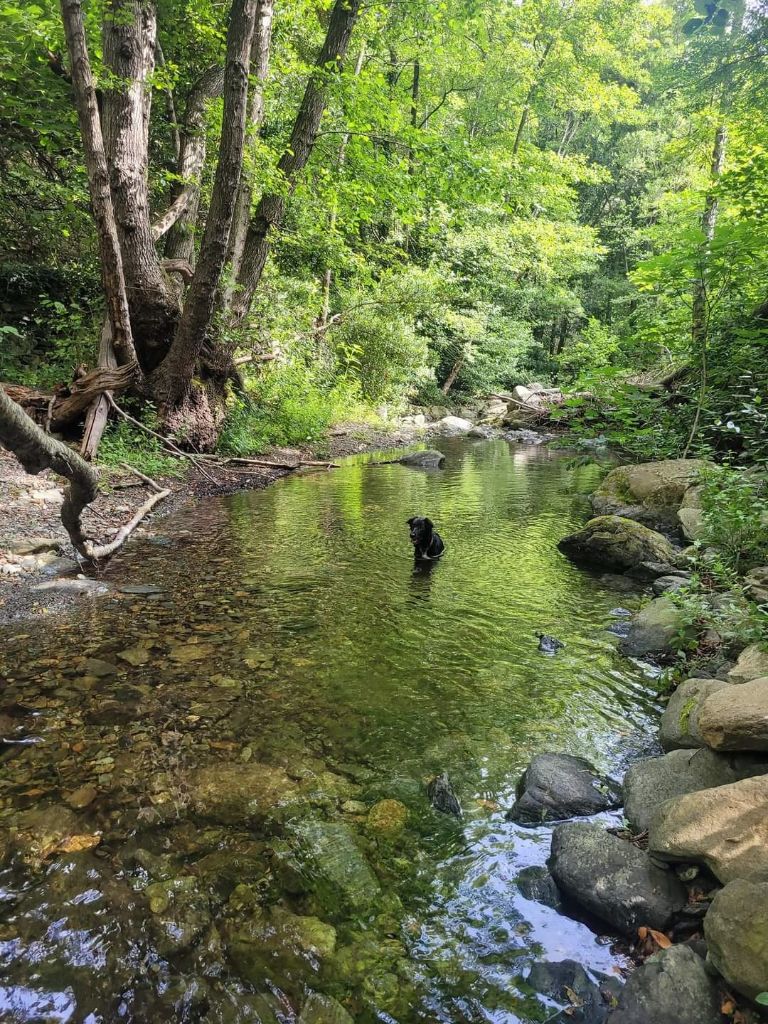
(651, 492)
(387, 818)
(617, 543)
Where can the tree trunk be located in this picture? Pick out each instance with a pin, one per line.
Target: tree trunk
(262, 39)
(129, 39)
(271, 209)
(171, 381)
(450, 380)
(98, 414)
(708, 225)
(526, 111)
(98, 181)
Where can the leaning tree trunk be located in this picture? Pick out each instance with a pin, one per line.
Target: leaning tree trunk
(172, 380)
(270, 212)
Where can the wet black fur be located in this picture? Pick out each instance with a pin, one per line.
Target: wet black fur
(427, 542)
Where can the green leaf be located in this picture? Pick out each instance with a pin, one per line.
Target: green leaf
(762, 998)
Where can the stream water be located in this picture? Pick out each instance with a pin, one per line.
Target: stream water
(190, 816)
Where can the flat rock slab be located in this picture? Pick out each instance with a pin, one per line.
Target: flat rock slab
(736, 930)
(616, 543)
(242, 794)
(613, 879)
(736, 718)
(559, 786)
(725, 828)
(650, 782)
(679, 727)
(672, 987)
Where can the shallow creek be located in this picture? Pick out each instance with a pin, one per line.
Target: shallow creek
(174, 877)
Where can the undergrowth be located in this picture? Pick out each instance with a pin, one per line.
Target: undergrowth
(123, 442)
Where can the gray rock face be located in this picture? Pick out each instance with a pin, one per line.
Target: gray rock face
(453, 425)
(613, 879)
(669, 584)
(649, 783)
(736, 929)
(725, 828)
(558, 786)
(757, 584)
(566, 979)
(428, 459)
(672, 987)
(616, 543)
(736, 718)
(679, 726)
(656, 630)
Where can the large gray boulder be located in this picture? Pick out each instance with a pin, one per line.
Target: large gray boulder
(650, 492)
(679, 727)
(617, 543)
(751, 664)
(648, 783)
(736, 930)
(725, 828)
(736, 718)
(613, 879)
(558, 786)
(658, 630)
(453, 425)
(671, 987)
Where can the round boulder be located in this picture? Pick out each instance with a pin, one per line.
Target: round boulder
(558, 786)
(736, 929)
(617, 543)
(671, 987)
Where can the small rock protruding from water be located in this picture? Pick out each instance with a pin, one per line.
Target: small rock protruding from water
(549, 645)
(428, 459)
(442, 797)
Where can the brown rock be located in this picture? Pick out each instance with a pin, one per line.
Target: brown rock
(736, 718)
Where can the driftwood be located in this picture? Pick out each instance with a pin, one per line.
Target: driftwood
(38, 451)
(283, 465)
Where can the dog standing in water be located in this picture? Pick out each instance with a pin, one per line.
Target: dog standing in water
(427, 542)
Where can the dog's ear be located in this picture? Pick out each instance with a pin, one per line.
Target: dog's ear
(429, 524)
(410, 521)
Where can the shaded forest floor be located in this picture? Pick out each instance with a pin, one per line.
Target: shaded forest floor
(30, 512)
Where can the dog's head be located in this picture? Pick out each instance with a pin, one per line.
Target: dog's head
(421, 530)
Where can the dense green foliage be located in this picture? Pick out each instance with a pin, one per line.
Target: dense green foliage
(498, 192)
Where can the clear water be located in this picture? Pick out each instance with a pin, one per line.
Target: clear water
(291, 630)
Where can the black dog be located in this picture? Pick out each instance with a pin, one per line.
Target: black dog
(427, 542)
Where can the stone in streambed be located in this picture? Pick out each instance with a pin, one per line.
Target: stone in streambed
(387, 818)
(243, 794)
(658, 629)
(736, 930)
(679, 727)
(567, 983)
(277, 948)
(322, 1009)
(613, 879)
(332, 865)
(558, 786)
(650, 782)
(671, 987)
(736, 718)
(429, 459)
(756, 584)
(669, 584)
(453, 425)
(724, 828)
(616, 543)
(537, 884)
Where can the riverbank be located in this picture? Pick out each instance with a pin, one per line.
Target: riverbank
(35, 551)
(685, 881)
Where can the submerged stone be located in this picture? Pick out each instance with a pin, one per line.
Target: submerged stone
(332, 864)
(322, 1009)
(242, 794)
(567, 983)
(387, 818)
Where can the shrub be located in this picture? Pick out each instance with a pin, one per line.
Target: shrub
(123, 442)
(735, 508)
